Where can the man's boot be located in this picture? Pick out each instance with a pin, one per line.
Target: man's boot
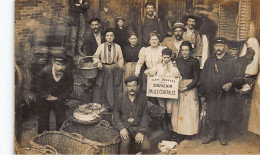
(211, 133)
(223, 133)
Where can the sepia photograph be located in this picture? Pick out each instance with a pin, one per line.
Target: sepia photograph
(136, 77)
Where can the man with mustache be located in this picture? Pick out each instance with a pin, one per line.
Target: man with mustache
(93, 37)
(218, 79)
(131, 117)
(54, 84)
(192, 35)
(151, 23)
(175, 41)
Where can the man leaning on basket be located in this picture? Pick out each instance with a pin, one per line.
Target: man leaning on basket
(131, 117)
(54, 84)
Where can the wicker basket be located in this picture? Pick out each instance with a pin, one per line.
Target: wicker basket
(79, 88)
(32, 151)
(63, 143)
(87, 72)
(101, 134)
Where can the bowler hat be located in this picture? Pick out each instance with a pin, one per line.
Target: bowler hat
(60, 53)
(119, 18)
(131, 79)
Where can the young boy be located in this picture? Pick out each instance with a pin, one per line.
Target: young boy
(166, 68)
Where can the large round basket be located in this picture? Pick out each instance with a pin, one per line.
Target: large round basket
(47, 150)
(87, 70)
(101, 134)
(63, 143)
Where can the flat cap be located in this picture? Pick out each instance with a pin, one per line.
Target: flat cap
(220, 40)
(167, 51)
(131, 79)
(179, 25)
(61, 53)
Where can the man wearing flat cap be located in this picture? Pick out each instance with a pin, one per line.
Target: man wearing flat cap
(241, 65)
(175, 41)
(121, 33)
(131, 117)
(218, 79)
(54, 85)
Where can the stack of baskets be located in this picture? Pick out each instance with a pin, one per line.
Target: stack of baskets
(102, 135)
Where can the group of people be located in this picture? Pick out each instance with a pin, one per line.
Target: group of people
(124, 64)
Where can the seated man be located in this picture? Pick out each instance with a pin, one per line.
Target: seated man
(131, 117)
(54, 84)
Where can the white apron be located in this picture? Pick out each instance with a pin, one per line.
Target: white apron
(185, 116)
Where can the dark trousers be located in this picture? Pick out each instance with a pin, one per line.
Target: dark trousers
(125, 143)
(220, 127)
(44, 115)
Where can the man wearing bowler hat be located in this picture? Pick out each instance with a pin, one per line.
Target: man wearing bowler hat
(218, 79)
(121, 33)
(54, 84)
(175, 41)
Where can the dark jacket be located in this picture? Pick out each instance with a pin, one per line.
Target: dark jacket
(215, 74)
(74, 11)
(166, 28)
(46, 85)
(121, 36)
(189, 69)
(139, 109)
(90, 44)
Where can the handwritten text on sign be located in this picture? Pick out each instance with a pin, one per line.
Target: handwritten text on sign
(163, 87)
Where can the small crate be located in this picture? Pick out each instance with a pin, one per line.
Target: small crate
(63, 143)
(101, 134)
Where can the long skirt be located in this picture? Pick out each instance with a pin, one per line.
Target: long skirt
(108, 85)
(254, 118)
(185, 116)
(129, 70)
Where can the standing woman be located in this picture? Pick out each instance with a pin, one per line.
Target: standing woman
(150, 56)
(130, 54)
(185, 116)
(254, 118)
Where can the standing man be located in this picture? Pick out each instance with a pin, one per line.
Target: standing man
(218, 79)
(54, 84)
(192, 35)
(151, 23)
(167, 24)
(79, 17)
(93, 37)
(121, 33)
(175, 41)
(131, 117)
(110, 61)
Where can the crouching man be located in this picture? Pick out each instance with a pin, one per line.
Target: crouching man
(131, 117)
(54, 85)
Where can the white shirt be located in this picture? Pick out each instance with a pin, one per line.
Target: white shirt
(178, 44)
(98, 38)
(149, 57)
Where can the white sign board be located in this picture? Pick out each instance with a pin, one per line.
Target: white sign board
(162, 87)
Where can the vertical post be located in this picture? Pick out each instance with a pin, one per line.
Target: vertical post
(157, 7)
(96, 8)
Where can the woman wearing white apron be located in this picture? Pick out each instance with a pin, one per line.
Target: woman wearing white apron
(185, 117)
